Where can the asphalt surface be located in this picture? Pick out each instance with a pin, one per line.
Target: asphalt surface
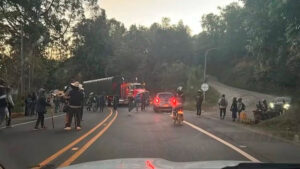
(139, 135)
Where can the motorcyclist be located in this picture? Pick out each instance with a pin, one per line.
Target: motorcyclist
(179, 94)
(180, 99)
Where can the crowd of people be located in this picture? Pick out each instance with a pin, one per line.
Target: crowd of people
(137, 101)
(72, 101)
(237, 106)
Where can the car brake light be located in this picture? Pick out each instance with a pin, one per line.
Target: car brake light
(173, 101)
(156, 100)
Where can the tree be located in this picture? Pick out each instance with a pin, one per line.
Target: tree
(25, 22)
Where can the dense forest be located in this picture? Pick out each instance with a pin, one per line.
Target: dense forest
(254, 44)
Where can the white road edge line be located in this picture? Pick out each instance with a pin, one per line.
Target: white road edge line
(32, 121)
(243, 153)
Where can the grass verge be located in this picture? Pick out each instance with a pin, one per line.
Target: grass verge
(286, 126)
(211, 100)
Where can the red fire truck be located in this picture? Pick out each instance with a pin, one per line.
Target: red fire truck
(114, 86)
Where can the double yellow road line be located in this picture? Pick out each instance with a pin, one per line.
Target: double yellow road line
(78, 140)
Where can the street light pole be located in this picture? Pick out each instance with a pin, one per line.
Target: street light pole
(204, 71)
(205, 62)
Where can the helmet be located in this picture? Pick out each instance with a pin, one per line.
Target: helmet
(179, 90)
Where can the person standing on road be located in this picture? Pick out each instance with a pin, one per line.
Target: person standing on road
(241, 107)
(234, 108)
(82, 103)
(56, 102)
(66, 104)
(137, 101)
(115, 102)
(75, 105)
(33, 104)
(199, 100)
(143, 100)
(28, 102)
(130, 102)
(10, 106)
(101, 103)
(222, 106)
(3, 104)
(41, 109)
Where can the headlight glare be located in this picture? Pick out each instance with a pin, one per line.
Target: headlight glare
(271, 105)
(286, 106)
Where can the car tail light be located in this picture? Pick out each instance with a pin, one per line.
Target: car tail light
(156, 100)
(173, 101)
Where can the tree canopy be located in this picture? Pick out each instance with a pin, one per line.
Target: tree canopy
(254, 45)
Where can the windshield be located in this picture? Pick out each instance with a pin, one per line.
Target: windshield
(165, 96)
(149, 82)
(138, 87)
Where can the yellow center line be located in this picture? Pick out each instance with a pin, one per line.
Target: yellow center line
(61, 151)
(87, 145)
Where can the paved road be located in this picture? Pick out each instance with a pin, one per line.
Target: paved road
(143, 134)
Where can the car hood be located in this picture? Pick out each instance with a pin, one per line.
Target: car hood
(152, 163)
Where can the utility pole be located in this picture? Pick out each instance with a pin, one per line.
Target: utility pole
(205, 62)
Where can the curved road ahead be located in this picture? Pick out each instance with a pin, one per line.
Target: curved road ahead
(143, 134)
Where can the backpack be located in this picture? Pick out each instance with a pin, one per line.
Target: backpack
(243, 106)
(223, 102)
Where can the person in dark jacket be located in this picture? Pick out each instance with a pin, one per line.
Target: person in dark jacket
(65, 108)
(234, 108)
(75, 105)
(81, 89)
(101, 102)
(222, 102)
(28, 102)
(241, 107)
(10, 106)
(143, 101)
(41, 109)
(130, 102)
(3, 103)
(116, 102)
(199, 100)
(33, 104)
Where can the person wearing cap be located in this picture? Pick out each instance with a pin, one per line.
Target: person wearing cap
(199, 100)
(75, 104)
(41, 109)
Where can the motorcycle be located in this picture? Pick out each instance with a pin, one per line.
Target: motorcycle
(177, 110)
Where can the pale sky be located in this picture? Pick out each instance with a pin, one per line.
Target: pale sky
(146, 12)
